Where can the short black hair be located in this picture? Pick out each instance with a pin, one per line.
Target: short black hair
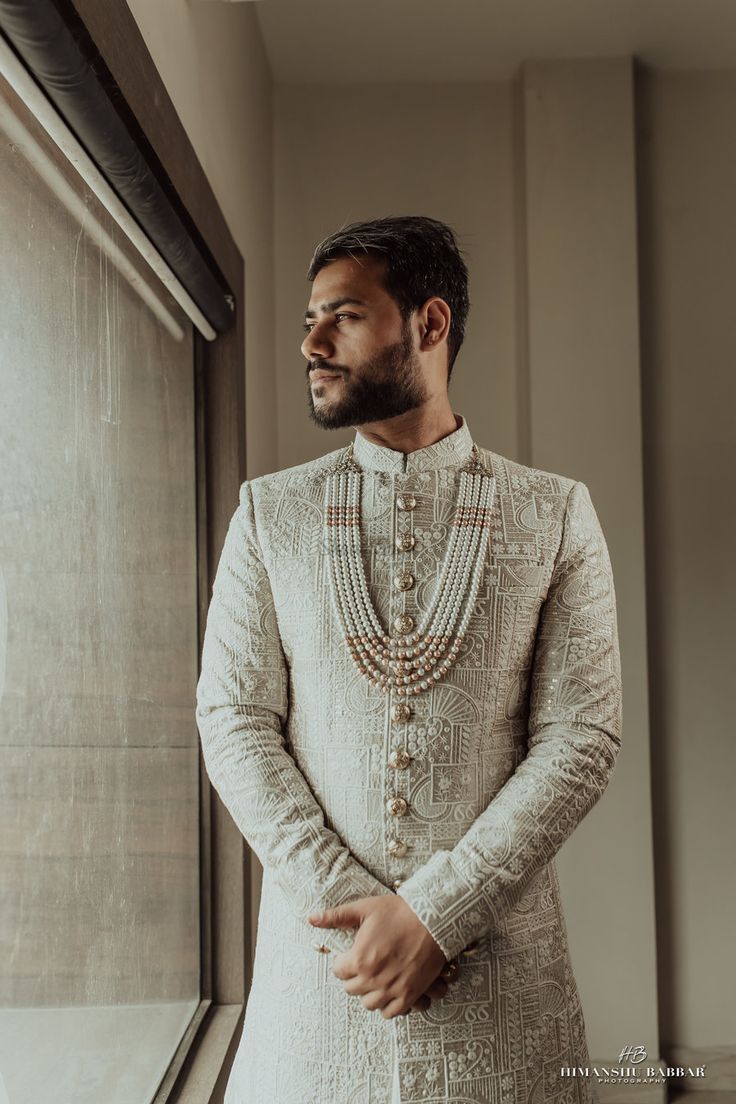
(422, 260)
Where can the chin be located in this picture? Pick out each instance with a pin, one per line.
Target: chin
(329, 416)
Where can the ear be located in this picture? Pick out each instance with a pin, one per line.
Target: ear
(434, 318)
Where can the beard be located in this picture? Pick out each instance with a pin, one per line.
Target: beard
(385, 386)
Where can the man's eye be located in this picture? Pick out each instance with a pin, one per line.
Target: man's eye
(309, 326)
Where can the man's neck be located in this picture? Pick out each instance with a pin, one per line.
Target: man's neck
(411, 431)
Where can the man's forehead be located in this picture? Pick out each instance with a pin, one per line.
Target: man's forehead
(348, 279)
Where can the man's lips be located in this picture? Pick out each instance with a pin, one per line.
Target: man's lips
(315, 376)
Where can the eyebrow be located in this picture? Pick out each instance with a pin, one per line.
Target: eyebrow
(333, 305)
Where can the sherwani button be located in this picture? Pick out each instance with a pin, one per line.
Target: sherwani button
(401, 713)
(397, 848)
(397, 806)
(404, 623)
(399, 759)
(404, 542)
(404, 580)
(406, 501)
(397, 882)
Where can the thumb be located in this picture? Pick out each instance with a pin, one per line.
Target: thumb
(344, 916)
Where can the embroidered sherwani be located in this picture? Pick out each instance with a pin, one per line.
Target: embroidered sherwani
(498, 762)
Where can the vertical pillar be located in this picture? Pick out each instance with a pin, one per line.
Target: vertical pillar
(577, 256)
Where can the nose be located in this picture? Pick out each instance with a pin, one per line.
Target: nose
(316, 343)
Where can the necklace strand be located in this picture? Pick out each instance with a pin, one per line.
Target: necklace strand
(410, 662)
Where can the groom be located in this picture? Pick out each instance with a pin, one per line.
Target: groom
(410, 697)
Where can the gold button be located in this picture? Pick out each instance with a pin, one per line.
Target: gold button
(399, 759)
(397, 806)
(406, 501)
(404, 581)
(400, 712)
(404, 623)
(397, 848)
(397, 882)
(404, 542)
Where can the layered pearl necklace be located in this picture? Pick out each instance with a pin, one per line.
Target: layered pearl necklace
(411, 662)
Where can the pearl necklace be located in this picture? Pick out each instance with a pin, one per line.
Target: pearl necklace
(411, 662)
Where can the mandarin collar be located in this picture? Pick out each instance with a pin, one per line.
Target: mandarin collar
(447, 452)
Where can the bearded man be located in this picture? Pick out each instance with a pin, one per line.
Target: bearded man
(410, 696)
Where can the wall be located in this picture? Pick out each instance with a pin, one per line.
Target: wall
(212, 60)
(687, 157)
(582, 374)
(369, 151)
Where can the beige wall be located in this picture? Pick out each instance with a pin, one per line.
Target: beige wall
(687, 157)
(364, 152)
(584, 419)
(212, 61)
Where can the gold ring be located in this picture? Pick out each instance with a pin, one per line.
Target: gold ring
(449, 970)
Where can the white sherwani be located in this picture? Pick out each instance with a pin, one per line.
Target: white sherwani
(507, 753)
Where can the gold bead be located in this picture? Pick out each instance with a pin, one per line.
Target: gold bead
(397, 806)
(399, 759)
(401, 713)
(404, 580)
(404, 623)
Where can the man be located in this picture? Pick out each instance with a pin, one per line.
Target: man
(410, 696)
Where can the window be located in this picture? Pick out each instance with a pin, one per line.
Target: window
(110, 942)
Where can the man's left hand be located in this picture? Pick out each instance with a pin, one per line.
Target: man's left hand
(393, 959)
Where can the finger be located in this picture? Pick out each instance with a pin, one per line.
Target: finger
(358, 986)
(374, 1000)
(394, 1007)
(344, 916)
(342, 966)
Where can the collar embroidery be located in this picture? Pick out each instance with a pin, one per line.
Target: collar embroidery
(447, 452)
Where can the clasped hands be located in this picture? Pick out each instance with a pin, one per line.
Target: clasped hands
(394, 964)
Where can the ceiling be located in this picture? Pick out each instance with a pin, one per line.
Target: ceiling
(459, 41)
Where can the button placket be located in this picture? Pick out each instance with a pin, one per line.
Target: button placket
(397, 804)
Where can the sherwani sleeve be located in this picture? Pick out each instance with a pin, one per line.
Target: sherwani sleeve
(242, 705)
(573, 741)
